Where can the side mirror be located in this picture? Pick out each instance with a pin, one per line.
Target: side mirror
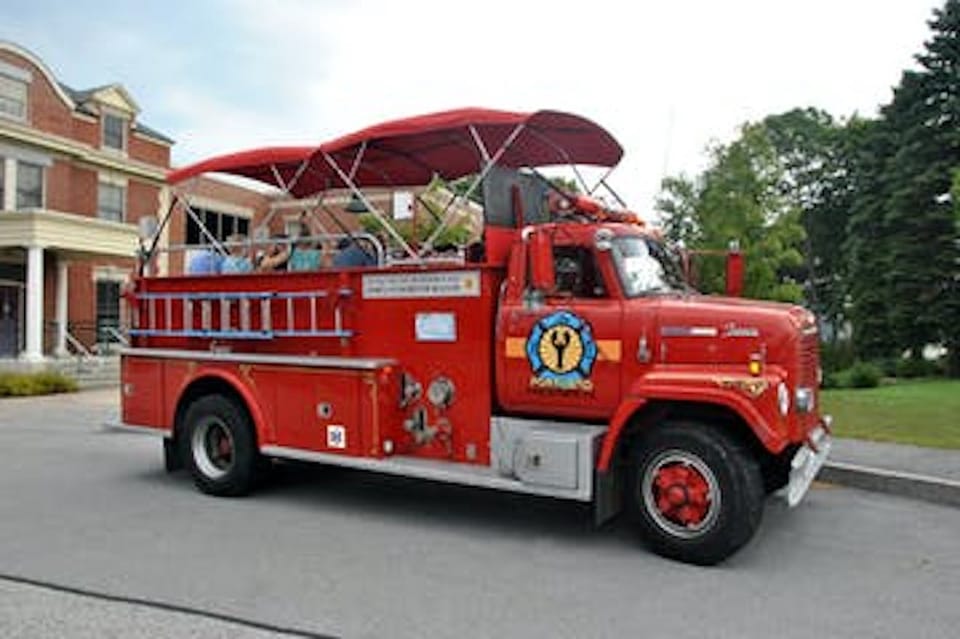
(734, 286)
(540, 253)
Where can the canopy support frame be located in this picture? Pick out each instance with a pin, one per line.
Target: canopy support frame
(381, 218)
(487, 165)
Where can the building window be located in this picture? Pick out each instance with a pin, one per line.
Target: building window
(29, 186)
(108, 311)
(219, 225)
(13, 98)
(110, 202)
(114, 132)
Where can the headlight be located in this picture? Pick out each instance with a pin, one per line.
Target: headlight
(783, 399)
(805, 400)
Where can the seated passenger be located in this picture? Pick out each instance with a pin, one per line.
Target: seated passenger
(351, 253)
(206, 261)
(237, 261)
(305, 256)
(277, 255)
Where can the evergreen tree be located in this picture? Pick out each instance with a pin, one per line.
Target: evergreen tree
(924, 117)
(867, 248)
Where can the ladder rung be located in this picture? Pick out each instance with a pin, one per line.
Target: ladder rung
(248, 325)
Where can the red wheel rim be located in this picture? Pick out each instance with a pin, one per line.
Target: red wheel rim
(681, 493)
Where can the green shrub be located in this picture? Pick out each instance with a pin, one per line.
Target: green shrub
(26, 384)
(833, 380)
(863, 375)
(836, 356)
(910, 367)
(887, 366)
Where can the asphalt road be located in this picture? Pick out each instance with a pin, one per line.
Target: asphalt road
(342, 553)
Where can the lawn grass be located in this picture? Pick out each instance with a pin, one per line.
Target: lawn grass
(919, 412)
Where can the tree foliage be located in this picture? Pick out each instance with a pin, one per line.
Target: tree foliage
(738, 198)
(862, 215)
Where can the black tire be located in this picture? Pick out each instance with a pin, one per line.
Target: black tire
(776, 470)
(172, 461)
(695, 493)
(219, 446)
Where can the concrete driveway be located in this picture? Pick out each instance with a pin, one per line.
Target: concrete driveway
(331, 552)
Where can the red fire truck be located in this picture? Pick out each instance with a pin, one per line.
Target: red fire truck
(563, 356)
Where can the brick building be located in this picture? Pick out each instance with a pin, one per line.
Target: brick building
(82, 181)
(80, 173)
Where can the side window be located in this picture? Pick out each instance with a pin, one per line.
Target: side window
(111, 199)
(29, 186)
(576, 272)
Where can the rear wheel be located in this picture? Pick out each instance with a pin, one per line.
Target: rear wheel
(696, 494)
(219, 446)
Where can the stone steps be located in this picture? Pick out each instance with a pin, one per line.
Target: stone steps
(92, 372)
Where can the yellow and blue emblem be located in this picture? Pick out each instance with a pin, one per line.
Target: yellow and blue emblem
(561, 352)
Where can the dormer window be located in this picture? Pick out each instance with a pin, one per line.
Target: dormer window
(114, 132)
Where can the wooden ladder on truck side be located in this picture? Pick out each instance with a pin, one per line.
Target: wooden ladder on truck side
(211, 314)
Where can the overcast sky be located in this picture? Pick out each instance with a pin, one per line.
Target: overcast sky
(666, 78)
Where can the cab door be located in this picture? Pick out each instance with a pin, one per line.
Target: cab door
(561, 352)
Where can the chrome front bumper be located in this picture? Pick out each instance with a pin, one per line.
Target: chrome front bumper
(807, 462)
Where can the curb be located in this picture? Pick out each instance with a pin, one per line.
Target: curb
(931, 489)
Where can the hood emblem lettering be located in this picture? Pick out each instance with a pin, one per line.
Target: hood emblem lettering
(732, 330)
(752, 387)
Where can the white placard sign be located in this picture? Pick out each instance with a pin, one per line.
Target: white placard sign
(396, 286)
(402, 205)
(336, 436)
(436, 327)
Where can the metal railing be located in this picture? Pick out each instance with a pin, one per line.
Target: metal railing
(251, 255)
(86, 340)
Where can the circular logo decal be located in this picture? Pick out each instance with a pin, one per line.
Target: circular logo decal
(561, 351)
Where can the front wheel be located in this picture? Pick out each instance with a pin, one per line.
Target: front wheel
(219, 446)
(696, 494)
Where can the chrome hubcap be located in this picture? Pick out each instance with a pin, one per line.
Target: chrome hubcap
(212, 447)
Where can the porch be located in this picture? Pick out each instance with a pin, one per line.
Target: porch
(32, 244)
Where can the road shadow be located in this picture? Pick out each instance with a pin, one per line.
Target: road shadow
(374, 496)
(384, 499)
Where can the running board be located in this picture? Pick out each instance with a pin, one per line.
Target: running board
(433, 470)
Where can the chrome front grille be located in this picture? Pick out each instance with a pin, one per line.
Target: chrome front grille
(809, 360)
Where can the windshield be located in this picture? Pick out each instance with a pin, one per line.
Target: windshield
(645, 267)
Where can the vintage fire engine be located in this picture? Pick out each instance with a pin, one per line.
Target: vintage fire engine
(565, 357)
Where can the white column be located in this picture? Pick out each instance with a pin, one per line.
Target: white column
(63, 282)
(34, 327)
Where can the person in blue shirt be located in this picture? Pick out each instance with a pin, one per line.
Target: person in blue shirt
(351, 253)
(205, 262)
(238, 261)
(305, 256)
